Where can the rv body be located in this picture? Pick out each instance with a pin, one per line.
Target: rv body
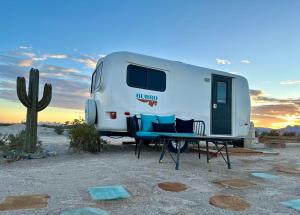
(126, 84)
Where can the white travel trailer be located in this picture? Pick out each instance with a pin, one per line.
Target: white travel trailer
(125, 84)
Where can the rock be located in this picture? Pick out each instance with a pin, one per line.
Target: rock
(285, 169)
(172, 186)
(233, 203)
(24, 202)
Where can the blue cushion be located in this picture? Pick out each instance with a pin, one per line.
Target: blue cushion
(295, 204)
(108, 192)
(166, 119)
(146, 134)
(146, 121)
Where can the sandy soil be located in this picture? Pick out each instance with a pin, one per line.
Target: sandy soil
(66, 178)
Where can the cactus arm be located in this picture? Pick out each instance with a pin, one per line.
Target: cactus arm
(21, 92)
(47, 95)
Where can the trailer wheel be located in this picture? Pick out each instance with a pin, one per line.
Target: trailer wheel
(90, 111)
(182, 144)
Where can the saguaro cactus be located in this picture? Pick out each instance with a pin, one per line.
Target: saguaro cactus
(30, 101)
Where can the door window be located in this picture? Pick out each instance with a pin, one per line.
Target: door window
(221, 92)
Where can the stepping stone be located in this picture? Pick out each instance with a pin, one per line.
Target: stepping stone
(85, 211)
(264, 175)
(172, 186)
(295, 204)
(236, 183)
(108, 192)
(24, 202)
(286, 169)
(233, 203)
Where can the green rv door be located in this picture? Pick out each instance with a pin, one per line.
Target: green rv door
(221, 105)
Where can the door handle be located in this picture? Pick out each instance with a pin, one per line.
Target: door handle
(215, 106)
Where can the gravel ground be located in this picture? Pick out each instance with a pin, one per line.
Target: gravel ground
(66, 178)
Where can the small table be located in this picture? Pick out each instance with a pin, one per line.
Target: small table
(217, 140)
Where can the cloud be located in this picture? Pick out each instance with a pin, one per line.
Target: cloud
(246, 61)
(49, 56)
(26, 62)
(62, 69)
(276, 109)
(274, 112)
(222, 61)
(88, 62)
(255, 92)
(56, 56)
(71, 85)
(70, 90)
(28, 54)
(290, 82)
(25, 47)
(63, 73)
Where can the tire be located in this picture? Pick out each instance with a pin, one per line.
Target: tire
(172, 146)
(90, 111)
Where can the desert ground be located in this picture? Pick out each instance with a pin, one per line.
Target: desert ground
(67, 176)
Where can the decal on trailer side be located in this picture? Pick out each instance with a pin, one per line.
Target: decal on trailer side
(150, 99)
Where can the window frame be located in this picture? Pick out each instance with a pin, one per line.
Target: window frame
(98, 76)
(93, 81)
(222, 100)
(94, 78)
(148, 69)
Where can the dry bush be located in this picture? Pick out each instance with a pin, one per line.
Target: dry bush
(84, 137)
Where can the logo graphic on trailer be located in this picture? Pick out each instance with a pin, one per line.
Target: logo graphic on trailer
(151, 100)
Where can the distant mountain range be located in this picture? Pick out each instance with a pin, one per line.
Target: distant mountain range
(289, 128)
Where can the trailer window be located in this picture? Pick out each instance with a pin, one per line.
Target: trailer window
(93, 82)
(146, 78)
(98, 76)
(221, 92)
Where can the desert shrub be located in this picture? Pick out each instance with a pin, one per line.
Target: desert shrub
(84, 137)
(13, 142)
(59, 129)
(5, 124)
(264, 133)
(289, 134)
(11, 146)
(273, 132)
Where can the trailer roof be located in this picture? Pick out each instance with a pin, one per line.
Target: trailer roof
(131, 55)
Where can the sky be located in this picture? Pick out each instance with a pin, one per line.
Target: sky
(63, 39)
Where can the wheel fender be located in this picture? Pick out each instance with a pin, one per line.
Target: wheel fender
(90, 111)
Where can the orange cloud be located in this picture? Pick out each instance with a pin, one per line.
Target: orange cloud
(88, 62)
(25, 63)
(273, 112)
